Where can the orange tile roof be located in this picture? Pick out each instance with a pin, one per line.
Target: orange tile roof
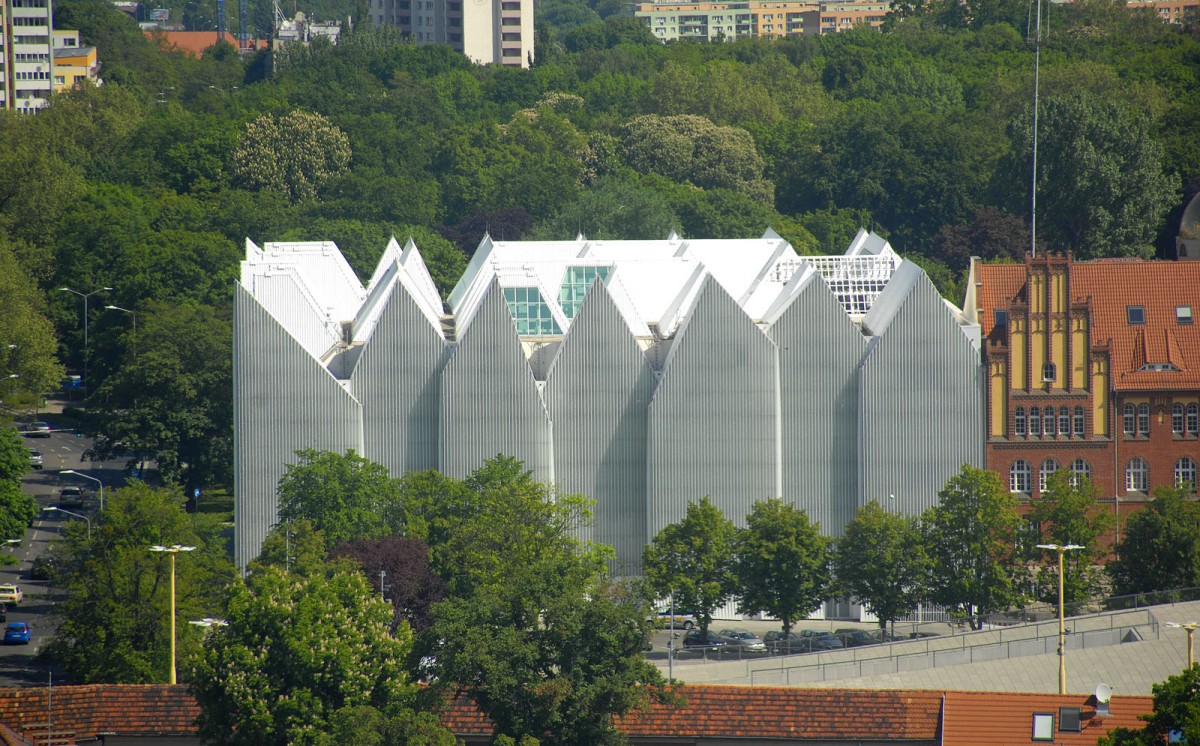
(1112, 285)
(129, 709)
(999, 719)
(193, 43)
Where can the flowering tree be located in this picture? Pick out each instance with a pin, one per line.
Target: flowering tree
(295, 154)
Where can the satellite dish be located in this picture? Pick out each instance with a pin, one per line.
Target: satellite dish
(1103, 693)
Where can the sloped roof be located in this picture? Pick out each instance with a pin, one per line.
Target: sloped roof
(973, 718)
(1113, 286)
(193, 43)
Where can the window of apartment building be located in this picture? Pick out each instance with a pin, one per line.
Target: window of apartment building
(1035, 421)
(1018, 476)
(1183, 314)
(510, 21)
(506, 52)
(1049, 466)
(1079, 423)
(29, 3)
(1193, 419)
(1143, 419)
(1048, 422)
(25, 21)
(1137, 475)
(510, 6)
(1135, 314)
(1080, 469)
(1019, 422)
(511, 37)
(1064, 421)
(1129, 419)
(1185, 472)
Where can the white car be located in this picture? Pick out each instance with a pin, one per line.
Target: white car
(35, 459)
(682, 619)
(11, 594)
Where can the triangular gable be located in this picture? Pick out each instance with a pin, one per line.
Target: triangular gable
(682, 301)
(892, 299)
(422, 284)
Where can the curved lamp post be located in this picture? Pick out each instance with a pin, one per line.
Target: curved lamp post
(172, 551)
(94, 479)
(55, 508)
(1061, 549)
(87, 383)
(134, 315)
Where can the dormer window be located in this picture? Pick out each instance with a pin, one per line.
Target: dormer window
(1001, 317)
(1161, 367)
(1135, 314)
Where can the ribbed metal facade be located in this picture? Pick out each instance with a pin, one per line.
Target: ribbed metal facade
(490, 401)
(820, 351)
(920, 401)
(712, 422)
(397, 381)
(284, 401)
(597, 393)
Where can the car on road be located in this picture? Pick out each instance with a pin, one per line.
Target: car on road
(11, 594)
(35, 459)
(38, 430)
(70, 497)
(17, 633)
(682, 619)
(711, 641)
(743, 640)
(855, 638)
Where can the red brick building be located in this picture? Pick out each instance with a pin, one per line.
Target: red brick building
(1092, 367)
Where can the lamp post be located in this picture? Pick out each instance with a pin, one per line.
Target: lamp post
(1190, 628)
(134, 315)
(1061, 549)
(94, 479)
(172, 551)
(87, 383)
(55, 508)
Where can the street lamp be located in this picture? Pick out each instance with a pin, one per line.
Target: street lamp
(1061, 549)
(87, 383)
(209, 622)
(172, 550)
(75, 515)
(94, 479)
(134, 315)
(1189, 627)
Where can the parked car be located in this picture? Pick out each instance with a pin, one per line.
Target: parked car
(743, 640)
(821, 640)
(882, 635)
(70, 497)
(711, 641)
(35, 459)
(855, 638)
(11, 594)
(17, 633)
(38, 430)
(919, 635)
(683, 619)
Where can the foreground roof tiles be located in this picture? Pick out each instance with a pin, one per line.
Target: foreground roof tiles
(985, 717)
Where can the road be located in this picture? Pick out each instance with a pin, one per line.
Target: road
(62, 450)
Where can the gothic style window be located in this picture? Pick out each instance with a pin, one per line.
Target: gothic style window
(1019, 422)
(1079, 470)
(1078, 422)
(1185, 472)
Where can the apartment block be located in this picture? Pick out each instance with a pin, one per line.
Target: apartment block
(26, 54)
(489, 32)
(1176, 12)
(713, 21)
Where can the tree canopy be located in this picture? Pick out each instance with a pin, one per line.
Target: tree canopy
(692, 561)
(882, 561)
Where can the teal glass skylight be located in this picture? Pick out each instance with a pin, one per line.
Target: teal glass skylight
(531, 313)
(575, 284)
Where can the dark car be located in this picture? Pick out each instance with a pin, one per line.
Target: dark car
(17, 633)
(821, 640)
(710, 641)
(855, 638)
(70, 497)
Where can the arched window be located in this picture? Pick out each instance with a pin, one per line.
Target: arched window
(1143, 419)
(1064, 421)
(1019, 422)
(1177, 418)
(1048, 422)
(1129, 413)
(1137, 476)
(1049, 466)
(1193, 419)
(1035, 421)
(1079, 470)
(1079, 422)
(1018, 476)
(1185, 472)
(1049, 373)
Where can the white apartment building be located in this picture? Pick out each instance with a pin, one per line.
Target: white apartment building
(26, 54)
(489, 32)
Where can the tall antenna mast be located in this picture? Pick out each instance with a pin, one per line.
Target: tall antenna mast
(1037, 55)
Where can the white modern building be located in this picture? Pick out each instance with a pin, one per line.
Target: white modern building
(26, 54)
(489, 32)
(645, 374)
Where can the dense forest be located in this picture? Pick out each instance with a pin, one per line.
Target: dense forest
(150, 184)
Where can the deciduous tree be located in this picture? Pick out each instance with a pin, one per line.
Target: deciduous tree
(1159, 549)
(295, 154)
(345, 496)
(1068, 513)
(1176, 708)
(882, 562)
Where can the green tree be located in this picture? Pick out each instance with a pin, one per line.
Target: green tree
(614, 208)
(28, 347)
(300, 653)
(1160, 549)
(14, 456)
(781, 562)
(534, 632)
(17, 509)
(693, 561)
(970, 537)
(295, 154)
(1068, 513)
(113, 626)
(881, 561)
(345, 496)
(1176, 708)
(1102, 188)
